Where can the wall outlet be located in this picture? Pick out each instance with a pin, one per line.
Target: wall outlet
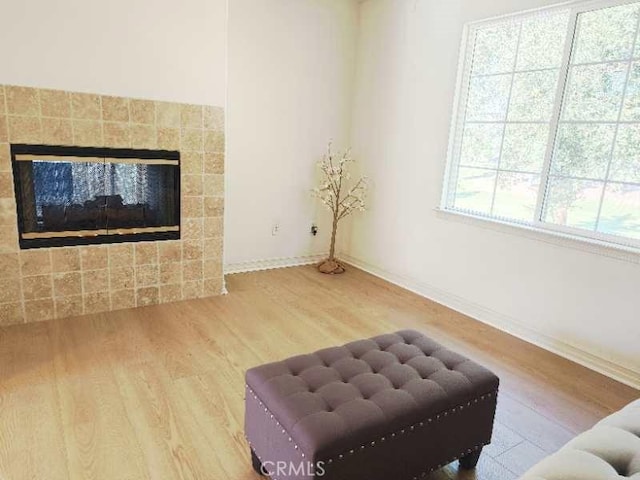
(275, 229)
(314, 229)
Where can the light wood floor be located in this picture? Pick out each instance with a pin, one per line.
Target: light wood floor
(157, 392)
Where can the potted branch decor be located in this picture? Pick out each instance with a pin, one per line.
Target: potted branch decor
(340, 199)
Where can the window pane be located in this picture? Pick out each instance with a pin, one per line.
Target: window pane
(625, 166)
(532, 96)
(573, 203)
(488, 98)
(631, 109)
(516, 196)
(542, 41)
(621, 211)
(583, 150)
(475, 190)
(594, 92)
(524, 147)
(495, 49)
(606, 34)
(481, 145)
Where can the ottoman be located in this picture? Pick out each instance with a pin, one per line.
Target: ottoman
(396, 406)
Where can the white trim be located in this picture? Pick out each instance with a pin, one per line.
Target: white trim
(505, 323)
(622, 252)
(271, 263)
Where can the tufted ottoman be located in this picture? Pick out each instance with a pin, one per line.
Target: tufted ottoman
(392, 407)
(609, 451)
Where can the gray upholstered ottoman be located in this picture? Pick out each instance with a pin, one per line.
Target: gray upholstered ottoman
(395, 407)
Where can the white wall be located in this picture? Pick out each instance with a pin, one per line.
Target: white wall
(581, 304)
(154, 49)
(291, 67)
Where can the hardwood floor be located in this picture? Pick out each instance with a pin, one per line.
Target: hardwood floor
(157, 392)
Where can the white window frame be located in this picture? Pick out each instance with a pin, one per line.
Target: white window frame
(537, 226)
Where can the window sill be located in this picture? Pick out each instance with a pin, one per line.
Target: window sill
(598, 247)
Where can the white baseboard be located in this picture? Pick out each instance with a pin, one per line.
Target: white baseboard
(271, 263)
(505, 323)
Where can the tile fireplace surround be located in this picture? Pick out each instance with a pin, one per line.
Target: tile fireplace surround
(45, 283)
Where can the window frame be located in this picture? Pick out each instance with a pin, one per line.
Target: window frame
(458, 120)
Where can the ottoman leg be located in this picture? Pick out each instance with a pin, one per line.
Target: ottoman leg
(257, 464)
(470, 461)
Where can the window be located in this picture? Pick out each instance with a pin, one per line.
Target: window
(547, 128)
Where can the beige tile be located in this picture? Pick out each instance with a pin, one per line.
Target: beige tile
(65, 284)
(122, 278)
(143, 136)
(87, 133)
(147, 275)
(213, 227)
(95, 281)
(213, 185)
(115, 109)
(212, 268)
(121, 255)
(123, 299)
(167, 114)
(10, 264)
(170, 273)
(212, 287)
(25, 129)
(6, 184)
(35, 262)
(3, 110)
(213, 206)
(170, 293)
(147, 296)
(170, 251)
(38, 310)
(7, 211)
(192, 229)
(85, 106)
(146, 253)
(168, 138)
(96, 302)
(191, 162)
(5, 158)
(11, 314)
(213, 141)
(36, 287)
(93, 257)
(212, 247)
(214, 163)
(22, 101)
(142, 111)
(68, 306)
(191, 140)
(10, 290)
(117, 135)
(55, 103)
(192, 270)
(191, 116)
(192, 207)
(65, 259)
(192, 250)
(192, 289)
(57, 131)
(214, 118)
(191, 185)
(4, 129)
(8, 239)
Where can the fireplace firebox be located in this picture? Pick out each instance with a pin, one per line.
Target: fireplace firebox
(82, 195)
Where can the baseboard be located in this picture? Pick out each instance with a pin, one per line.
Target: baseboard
(505, 323)
(271, 263)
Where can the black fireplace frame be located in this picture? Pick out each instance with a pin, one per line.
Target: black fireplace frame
(113, 153)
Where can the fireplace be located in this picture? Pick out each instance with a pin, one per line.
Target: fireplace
(83, 195)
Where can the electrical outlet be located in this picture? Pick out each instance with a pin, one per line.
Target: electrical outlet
(314, 229)
(275, 229)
